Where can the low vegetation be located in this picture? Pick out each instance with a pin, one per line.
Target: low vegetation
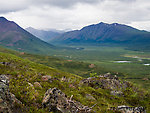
(29, 81)
(78, 62)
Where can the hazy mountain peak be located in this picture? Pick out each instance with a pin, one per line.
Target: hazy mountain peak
(44, 35)
(29, 28)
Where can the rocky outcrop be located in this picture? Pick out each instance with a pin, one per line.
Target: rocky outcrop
(37, 85)
(107, 81)
(46, 78)
(8, 101)
(5, 63)
(127, 109)
(91, 65)
(55, 100)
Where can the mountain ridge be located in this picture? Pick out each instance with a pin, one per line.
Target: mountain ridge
(102, 33)
(15, 37)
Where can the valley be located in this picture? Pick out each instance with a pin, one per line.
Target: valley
(34, 87)
(104, 57)
(95, 69)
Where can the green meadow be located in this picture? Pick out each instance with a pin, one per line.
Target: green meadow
(105, 58)
(77, 61)
(23, 73)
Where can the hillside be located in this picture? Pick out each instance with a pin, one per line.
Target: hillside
(30, 81)
(106, 34)
(43, 35)
(135, 71)
(72, 66)
(15, 37)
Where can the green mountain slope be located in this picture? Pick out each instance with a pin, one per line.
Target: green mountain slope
(24, 76)
(137, 73)
(15, 37)
(108, 34)
(72, 66)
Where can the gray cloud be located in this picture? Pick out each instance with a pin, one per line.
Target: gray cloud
(75, 14)
(65, 3)
(17, 5)
(13, 6)
(71, 2)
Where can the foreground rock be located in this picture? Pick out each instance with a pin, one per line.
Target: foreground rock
(46, 78)
(57, 101)
(8, 101)
(127, 109)
(107, 81)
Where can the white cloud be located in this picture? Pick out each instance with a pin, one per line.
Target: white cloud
(75, 14)
(142, 25)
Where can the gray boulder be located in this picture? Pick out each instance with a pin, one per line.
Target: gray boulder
(55, 100)
(7, 99)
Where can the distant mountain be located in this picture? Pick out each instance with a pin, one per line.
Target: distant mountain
(44, 35)
(103, 33)
(15, 37)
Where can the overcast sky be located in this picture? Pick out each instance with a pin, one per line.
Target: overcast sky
(75, 14)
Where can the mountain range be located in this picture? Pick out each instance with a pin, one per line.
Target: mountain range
(43, 34)
(34, 83)
(104, 33)
(15, 37)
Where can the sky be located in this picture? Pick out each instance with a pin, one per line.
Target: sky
(75, 14)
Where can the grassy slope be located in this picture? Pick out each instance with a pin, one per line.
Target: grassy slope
(103, 57)
(22, 71)
(76, 67)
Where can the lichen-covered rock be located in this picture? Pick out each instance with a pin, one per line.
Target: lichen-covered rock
(33, 91)
(64, 79)
(90, 97)
(37, 85)
(5, 63)
(91, 65)
(107, 81)
(127, 109)
(55, 100)
(46, 78)
(7, 99)
(118, 93)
